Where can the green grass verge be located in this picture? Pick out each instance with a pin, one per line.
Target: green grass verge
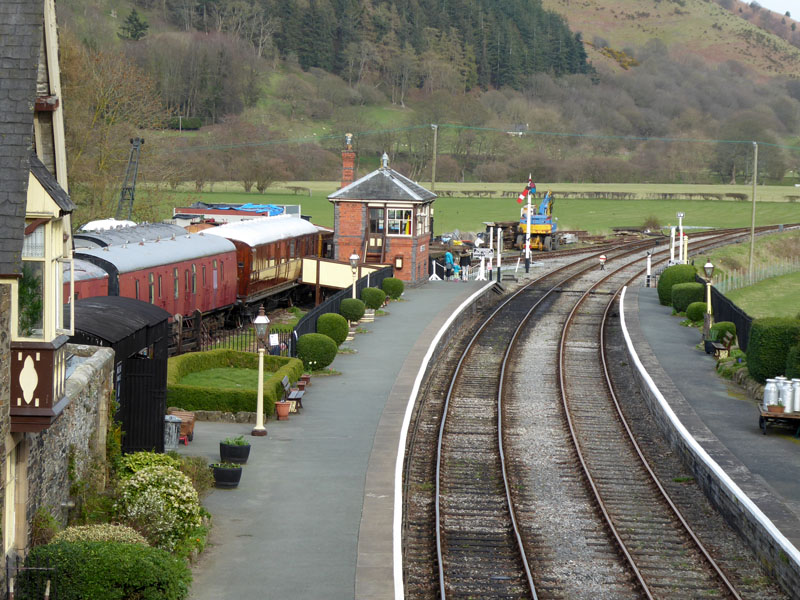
(226, 378)
(775, 297)
(767, 248)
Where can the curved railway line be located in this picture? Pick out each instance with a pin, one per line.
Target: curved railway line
(472, 525)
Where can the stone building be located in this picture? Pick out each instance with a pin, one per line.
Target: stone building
(54, 397)
(384, 218)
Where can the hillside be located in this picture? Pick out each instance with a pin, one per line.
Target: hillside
(688, 28)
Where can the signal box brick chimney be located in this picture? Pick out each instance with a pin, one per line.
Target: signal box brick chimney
(348, 161)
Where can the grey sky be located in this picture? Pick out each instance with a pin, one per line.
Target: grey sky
(781, 6)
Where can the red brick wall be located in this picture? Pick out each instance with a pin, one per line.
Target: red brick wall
(415, 257)
(350, 226)
(348, 167)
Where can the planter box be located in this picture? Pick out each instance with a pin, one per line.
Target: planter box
(231, 453)
(227, 477)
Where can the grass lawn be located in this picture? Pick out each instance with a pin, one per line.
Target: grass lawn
(225, 378)
(768, 247)
(776, 297)
(594, 215)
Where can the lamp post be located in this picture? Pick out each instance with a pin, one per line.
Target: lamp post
(709, 270)
(354, 267)
(261, 323)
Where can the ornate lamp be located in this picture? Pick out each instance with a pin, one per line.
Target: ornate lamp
(261, 323)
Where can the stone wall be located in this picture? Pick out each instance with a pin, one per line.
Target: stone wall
(5, 389)
(77, 436)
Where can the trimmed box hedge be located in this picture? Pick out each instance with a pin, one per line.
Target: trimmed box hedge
(695, 311)
(793, 362)
(334, 326)
(671, 276)
(352, 309)
(768, 348)
(106, 571)
(718, 330)
(393, 287)
(683, 294)
(316, 350)
(191, 397)
(373, 297)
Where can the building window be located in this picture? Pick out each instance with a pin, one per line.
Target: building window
(31, 285)
(376, 220)
(177, 284)
(399, 221)
(423, 220)
(151, 289)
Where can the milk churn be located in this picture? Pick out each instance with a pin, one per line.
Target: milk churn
(785, 394)
(795, 395)
(771, 392)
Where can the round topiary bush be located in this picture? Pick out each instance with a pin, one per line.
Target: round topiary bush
(104, 532)
(695, 311)
(334, 326)
(671, 276)
(683, 294)
(373, 297)
(768, 348)
(161, 503)
(393, 287)
(718, 330)
(793, 362)
(105, 571)
(316, 350)
(352, 309)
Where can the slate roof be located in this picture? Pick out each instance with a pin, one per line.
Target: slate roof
(19, 61)
(51, 185)
(384, 184)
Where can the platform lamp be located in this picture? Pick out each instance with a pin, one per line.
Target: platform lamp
(261, 323)
(354, 267)
(709, 271)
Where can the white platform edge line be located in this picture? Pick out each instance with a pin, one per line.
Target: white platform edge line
(397, 520)
(724, 478)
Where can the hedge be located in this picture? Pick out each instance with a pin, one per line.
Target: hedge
(793, 362)
(718, 330)
(671, 276)
(768, 348)
(393, 287)
(106, 571)
(352, 309)
(191, 397)
(695, 311)
(683, 294)
(190, 123)
(373, 297)
(334, 326)
(316, 350)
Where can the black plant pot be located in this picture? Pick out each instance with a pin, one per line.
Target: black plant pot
(233, 454)
(708, 346)
(227, 477)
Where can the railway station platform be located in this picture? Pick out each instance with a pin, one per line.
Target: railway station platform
(312, 516)
(717, 412)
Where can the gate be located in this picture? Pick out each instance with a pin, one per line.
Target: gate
(140, 399)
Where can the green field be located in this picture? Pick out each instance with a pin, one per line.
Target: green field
(775, 297)
(736, 257)
(597, 216)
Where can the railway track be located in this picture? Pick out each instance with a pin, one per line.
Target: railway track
(474, 496)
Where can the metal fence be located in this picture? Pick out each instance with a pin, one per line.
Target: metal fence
(308, 324)
(30, 580)
(244, 339)
(725, 310)
(733, 280)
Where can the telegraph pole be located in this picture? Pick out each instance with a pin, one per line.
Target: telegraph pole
(753, 219)
(433, 165)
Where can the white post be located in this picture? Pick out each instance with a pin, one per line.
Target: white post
(491, 237)
(499, 249)
(259, 429)
(482, 270)
(649, 263)
(528, 236)
(671, 245)
(681, 257)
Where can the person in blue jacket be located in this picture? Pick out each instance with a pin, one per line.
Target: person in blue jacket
(448, 265)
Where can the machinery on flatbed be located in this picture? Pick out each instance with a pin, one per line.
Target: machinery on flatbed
(542, 226)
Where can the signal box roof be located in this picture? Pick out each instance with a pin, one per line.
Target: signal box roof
(381, 185)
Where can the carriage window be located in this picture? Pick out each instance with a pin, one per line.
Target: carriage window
(136, 282)
(177, 286)
(204, 276)
(151, 289)
(159, 286)
(194, 279)
(399, 221)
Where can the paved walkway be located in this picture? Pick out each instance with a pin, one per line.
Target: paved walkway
(291, 530)
(766, 467)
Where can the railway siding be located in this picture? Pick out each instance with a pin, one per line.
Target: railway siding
(774, 550)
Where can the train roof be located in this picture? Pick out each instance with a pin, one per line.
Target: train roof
(264, 230)
(84, 270)
(100, 224)
(123, 235)
(145, 255)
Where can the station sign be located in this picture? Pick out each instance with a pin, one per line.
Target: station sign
(483, 253)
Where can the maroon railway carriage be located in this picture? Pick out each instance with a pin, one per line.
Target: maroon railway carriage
(181, 274)
(269, 253)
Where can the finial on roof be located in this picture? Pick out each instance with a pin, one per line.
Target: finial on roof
(348, 141)
(385, 161)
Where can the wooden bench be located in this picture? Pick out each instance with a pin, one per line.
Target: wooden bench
(187, 424)
(723, 349)
(291, 394)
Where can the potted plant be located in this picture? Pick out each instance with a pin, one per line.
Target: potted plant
(777, 407)
(226, 474)
(234, 449)
(282, 409)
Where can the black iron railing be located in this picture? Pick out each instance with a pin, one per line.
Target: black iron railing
(725, 310)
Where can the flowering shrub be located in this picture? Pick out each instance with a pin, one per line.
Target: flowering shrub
(161, 503)
(131, 463)
(105, 532)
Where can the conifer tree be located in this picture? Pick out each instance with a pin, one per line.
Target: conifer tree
(134, 28)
